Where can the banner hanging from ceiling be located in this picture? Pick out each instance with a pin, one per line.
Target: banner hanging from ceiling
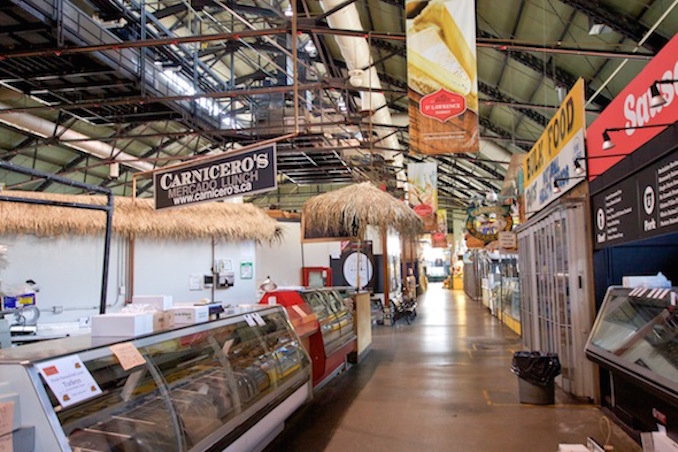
(233, 174)
(442, 76)
(439, 237)
(551, 161)
(422, 188)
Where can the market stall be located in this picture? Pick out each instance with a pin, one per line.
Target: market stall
(349, 211)
(200, 252)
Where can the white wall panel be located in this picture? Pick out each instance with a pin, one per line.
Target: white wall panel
(281, 261)
(67, 270)
(165, 268)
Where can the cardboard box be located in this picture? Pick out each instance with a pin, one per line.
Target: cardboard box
(159, 302)
(122, 324)
(189, 315)
(163, 321)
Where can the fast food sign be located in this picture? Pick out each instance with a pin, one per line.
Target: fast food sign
(551, 159)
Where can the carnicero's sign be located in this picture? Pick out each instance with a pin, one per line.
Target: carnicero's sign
(234, 174)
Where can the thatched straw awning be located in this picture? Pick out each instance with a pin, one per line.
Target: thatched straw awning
(354, 207)
(221, 221)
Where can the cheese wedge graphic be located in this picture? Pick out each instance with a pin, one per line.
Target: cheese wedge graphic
(432, 64)
(437, 13)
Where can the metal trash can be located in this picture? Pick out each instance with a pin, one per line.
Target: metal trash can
(536, 373)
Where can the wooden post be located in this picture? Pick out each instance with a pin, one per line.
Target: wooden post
(387, 304)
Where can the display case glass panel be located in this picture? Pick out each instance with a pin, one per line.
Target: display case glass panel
(198, 384)
(636, 332)
(336, 322)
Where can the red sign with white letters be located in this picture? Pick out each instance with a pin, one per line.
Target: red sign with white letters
(442, 105)
(631, 108)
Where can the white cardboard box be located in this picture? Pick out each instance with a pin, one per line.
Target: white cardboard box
(188, 315)
(159, 302)
(122, 324)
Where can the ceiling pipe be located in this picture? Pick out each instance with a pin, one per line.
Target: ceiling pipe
(356, 53)
(46, 129)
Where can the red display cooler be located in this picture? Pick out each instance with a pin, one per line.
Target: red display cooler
(324, 325)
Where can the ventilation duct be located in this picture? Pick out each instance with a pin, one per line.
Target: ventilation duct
(356, 53)
(45, 129)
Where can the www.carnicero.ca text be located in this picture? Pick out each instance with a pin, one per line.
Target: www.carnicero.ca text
(214, 181)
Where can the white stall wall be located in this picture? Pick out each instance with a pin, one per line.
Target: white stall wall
(318, 254)
(67, 271)
(281, 261)
(374, 235)
(166, 267)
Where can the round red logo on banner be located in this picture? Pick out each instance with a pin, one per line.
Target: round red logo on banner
(442, 105)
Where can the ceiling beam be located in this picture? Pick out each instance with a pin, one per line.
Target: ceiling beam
(494, 93)
(503, 133)
(558, 75)
(631, 29)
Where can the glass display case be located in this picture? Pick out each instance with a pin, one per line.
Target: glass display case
(336, 322)
(635, 334)
(201, 387)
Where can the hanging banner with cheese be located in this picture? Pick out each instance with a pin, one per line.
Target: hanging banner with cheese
(441, 76)
(422, 187)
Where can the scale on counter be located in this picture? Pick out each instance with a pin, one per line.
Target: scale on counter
(21, 313)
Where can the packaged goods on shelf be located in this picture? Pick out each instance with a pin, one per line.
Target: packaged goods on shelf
(189, 315)
(122, 324)
(159, 302)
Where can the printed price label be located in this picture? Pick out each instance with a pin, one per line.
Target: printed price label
(128, 355)
(69, 380)
(250, 321)
(257, 318)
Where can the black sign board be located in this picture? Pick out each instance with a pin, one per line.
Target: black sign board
(235, 174)
(614, 214)
(643, 205)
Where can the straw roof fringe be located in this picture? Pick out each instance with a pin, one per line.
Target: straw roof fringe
(354, 207)
(221, 221)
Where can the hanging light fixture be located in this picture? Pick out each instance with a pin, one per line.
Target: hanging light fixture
(556, 187)
(656, 99)
(268, 285)
(578, 167)
(607, 142)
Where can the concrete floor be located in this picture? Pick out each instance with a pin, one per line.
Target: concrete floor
(441, 384)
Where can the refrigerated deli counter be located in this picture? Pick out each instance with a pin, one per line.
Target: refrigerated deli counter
(228, 384)
(324, 324)
(635, 338)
